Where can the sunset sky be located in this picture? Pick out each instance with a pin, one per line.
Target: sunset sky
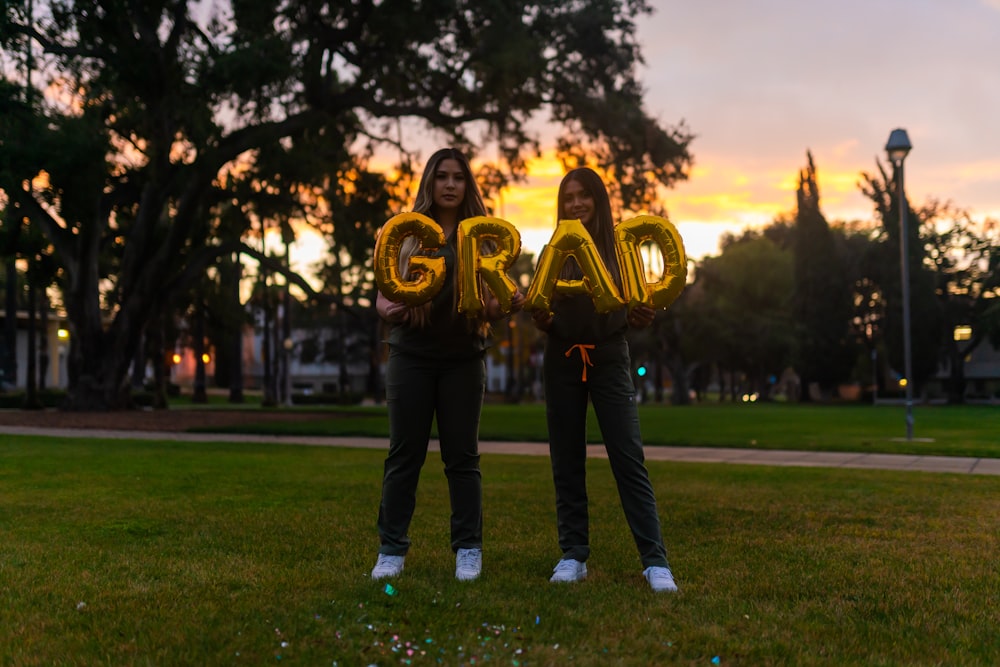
(760, 83)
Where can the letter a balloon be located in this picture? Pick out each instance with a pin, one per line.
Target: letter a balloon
(571, 239)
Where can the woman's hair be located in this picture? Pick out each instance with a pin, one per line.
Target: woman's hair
(472, 205)
(603, 228)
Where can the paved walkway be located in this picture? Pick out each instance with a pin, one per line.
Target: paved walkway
(946, 464)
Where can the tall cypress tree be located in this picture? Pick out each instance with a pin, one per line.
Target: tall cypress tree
(822, 301)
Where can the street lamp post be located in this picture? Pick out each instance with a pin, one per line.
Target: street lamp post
(897, 148)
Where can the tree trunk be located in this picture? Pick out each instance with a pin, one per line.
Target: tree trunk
(275, 354)
(680, 394)
(43, 343)
(375, 360)
(956, 378)
(343, 380)
(511, 382)
(268, 400)
(100, 356)
(139, 366)
(100, 368)
(10, 327)
(236, 373)
(161, 373)
(805, 396)
(286, 333)
(199, 394)
(658, 362)
(31, 401)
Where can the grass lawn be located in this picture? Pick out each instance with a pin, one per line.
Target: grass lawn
(969, 430)
(163, 553)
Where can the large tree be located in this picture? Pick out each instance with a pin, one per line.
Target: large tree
(746, 294)
(154, 116)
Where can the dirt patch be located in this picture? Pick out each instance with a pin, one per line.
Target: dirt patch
(150, 420)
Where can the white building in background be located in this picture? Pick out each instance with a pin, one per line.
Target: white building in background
(982, 368)
(323, 377)
(316, 377)
(56, 342)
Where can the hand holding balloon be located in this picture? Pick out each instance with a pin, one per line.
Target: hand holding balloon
(494, 311)
(640, 316)
(395, 312)
(542, 318)
(392, 311)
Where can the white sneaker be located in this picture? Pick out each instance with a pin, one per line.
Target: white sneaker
(468, 564)
(387, 566)
(568, 571)
(660, 579)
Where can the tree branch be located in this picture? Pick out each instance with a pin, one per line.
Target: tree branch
(61, 239)
(195, 268)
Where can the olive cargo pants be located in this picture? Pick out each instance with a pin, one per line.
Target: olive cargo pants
(417, 390)
(601, 373)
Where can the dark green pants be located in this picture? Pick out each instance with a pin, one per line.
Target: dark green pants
(609, 387)
(417, 390)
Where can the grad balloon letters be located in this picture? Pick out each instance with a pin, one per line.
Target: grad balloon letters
(503, 242)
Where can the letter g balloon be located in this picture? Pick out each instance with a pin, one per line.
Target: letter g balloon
(426, 274)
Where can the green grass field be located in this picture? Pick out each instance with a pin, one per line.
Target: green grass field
(939, 430)
(162, 553)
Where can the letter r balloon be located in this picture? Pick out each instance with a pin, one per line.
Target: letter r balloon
(492, 266)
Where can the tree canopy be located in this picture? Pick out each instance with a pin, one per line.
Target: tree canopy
(150, 138)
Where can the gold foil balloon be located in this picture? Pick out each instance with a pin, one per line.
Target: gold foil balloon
(629, 236)
(492, 267)
(571, 239)
(427, 273)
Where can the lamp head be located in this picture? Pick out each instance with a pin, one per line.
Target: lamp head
(898, 146)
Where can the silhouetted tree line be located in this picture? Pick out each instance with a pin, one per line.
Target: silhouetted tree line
(824, 301)
(147, 149)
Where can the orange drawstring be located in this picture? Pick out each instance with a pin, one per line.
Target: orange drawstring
(584, 356)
